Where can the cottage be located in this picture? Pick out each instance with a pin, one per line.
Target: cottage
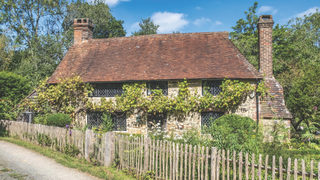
(160, 60)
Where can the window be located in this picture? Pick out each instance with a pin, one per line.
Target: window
(208, 117)
(158, 85)
(154, 119)
(107, 89)
(28, 117)
(213, 87)
(119, 120)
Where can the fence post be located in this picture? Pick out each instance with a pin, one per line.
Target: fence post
(109, 148)
(146, 154)
(213, 162)
(87, 142)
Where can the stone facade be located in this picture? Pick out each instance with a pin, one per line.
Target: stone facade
(179, 122)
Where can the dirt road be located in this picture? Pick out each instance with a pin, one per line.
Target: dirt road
(17, 162)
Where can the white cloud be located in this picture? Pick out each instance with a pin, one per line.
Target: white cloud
(218, 23)
(198, 8)
(113, 2)
(135, 26)
(199, 22)
(169, 22)
(267, 9)
(307, 12)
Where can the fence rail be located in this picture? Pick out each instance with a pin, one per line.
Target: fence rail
(164, 159)
(168, 160)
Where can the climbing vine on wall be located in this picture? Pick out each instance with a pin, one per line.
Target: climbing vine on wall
(67, 97)
(233, 92)
(71, 95)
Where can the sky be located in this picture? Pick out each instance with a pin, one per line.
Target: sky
(203, 15)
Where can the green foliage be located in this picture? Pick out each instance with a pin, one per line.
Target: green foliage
(233, 92)
(40, 61)
(234, 132)
(303, 97)
(59, 119)
(68, 96)
(3, 132)
(279, 133)
(6, 52)
(147, 26)
(105, 25)
(44, 139)
(41, 32)
(13, 88)
(106, 125)
(107, 122)
(71, 150)
(296, 53)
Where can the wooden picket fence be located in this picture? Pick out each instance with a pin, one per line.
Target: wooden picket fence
(90, 146)
(164, 159)
(167, 160)
(59, 137)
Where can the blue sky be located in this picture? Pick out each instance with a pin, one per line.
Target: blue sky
(203, 15)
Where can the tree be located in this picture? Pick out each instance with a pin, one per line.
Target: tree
(304, 95)
(42, 31)
(105, 25)
(6, 53)
(245, 35)
(147, 26)
(296, 53)
(29, 19)
(48, 53)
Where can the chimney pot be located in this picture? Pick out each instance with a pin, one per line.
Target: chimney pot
(83, 30)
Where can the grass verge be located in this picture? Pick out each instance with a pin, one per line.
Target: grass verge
(80, 164)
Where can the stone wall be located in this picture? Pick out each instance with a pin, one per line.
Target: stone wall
(179, 122)
(268, 124)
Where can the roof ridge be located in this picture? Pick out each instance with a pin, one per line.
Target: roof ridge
(222, 33)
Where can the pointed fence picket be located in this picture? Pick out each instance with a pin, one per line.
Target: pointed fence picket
(174, 161)
(164, 159)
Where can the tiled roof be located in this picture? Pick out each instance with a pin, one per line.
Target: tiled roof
(156, 57)
(277, 107)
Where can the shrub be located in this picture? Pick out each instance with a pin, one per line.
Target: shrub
(13, 88)
(234, 132)
(59, 119)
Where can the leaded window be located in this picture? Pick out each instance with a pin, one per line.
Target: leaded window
(158, 85)
(28, 117)
(208, 117)
(107, 89)
(157, 120)
(119, 120)
(213, 87)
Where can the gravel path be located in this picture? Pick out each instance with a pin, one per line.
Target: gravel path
(17, 162)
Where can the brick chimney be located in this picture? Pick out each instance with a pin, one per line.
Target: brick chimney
(83, 30)
(265, 25)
